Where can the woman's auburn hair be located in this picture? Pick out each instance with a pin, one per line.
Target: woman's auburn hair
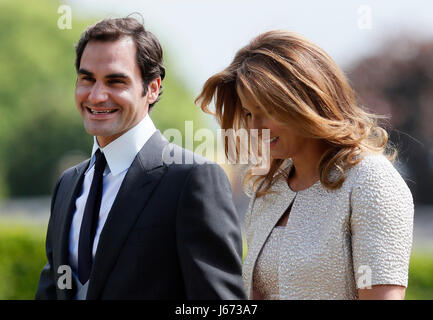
(298, 85)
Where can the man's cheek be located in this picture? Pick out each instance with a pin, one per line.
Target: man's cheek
(80, 93)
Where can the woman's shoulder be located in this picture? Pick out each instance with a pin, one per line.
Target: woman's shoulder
(376, 174)
(374, 167)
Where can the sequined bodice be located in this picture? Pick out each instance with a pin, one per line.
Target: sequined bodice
(266, 270)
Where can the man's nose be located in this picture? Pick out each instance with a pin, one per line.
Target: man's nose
(98, 93)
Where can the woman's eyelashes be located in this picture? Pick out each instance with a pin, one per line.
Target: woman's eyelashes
(246, 112)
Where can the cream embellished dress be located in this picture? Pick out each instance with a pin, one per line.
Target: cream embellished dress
(335, 241)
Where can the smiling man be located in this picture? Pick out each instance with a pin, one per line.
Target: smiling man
(126, 224)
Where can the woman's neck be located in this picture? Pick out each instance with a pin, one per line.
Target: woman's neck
(305, 171)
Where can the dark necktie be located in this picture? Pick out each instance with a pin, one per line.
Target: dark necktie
(90, 220)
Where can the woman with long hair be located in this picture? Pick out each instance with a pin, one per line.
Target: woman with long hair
(331, 218)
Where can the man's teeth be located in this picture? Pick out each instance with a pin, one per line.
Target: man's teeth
(102, 111)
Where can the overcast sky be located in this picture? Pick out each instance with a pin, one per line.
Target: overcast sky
(201, 37)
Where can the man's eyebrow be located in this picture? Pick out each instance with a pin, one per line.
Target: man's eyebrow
(84, 71)
(110, 76)
(117, 75)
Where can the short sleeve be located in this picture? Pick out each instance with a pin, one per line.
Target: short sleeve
(381, 225)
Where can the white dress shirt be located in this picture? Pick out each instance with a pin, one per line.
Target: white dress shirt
(120, 154)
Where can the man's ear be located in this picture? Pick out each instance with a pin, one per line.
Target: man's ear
(153, 90)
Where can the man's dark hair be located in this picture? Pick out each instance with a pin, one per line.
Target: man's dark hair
(149, 51)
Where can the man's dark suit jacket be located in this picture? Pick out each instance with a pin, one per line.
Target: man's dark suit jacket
(172, 233)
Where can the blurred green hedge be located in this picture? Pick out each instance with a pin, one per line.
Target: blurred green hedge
(420, 284)
(22, 257)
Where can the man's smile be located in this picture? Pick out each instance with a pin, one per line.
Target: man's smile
(99, 111)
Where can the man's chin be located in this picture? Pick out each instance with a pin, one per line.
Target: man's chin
(100, 132)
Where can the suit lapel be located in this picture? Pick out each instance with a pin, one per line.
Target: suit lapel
(137, 186)
(66, 211)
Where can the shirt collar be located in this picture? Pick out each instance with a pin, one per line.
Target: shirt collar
(121, 152)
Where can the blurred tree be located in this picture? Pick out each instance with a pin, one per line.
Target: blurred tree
(398, 81)
(40, 125)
